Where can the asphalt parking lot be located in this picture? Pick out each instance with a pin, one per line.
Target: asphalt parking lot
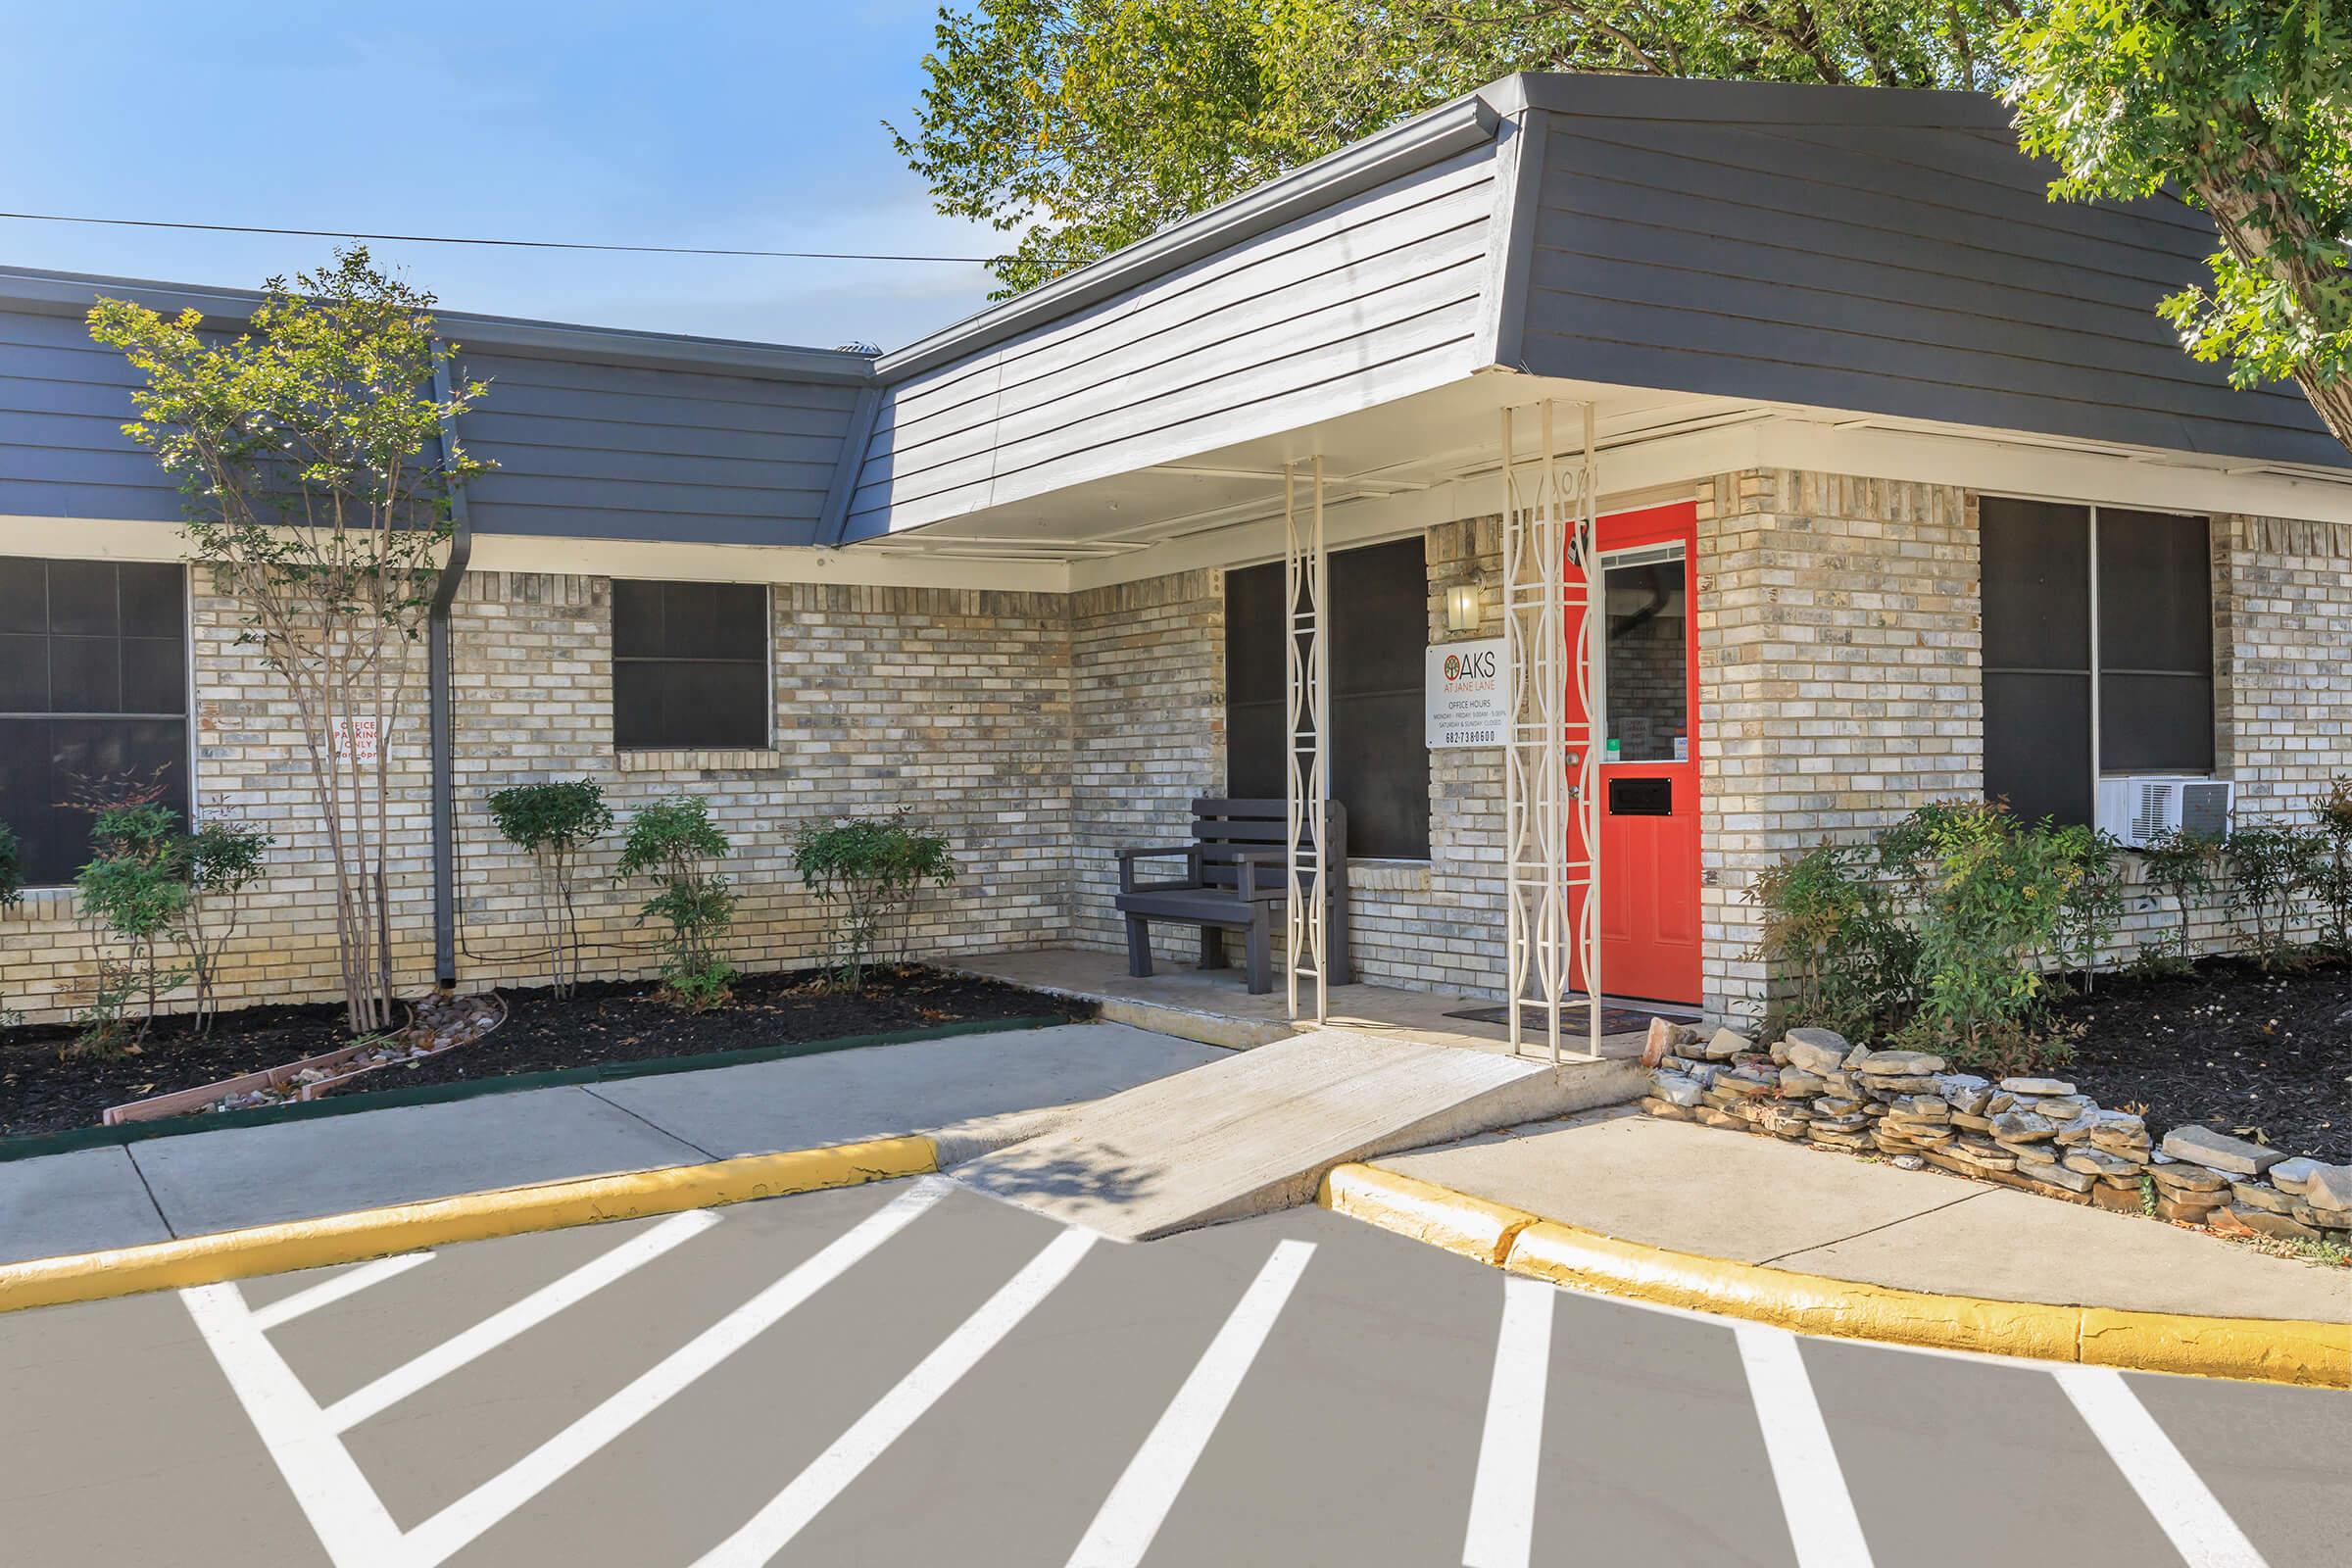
(912, 1373)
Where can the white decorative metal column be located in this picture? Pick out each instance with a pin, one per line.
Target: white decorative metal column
(1307, 707)
(1551, 610)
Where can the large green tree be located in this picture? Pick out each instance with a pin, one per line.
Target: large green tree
(1085, 125)
(2240, 107)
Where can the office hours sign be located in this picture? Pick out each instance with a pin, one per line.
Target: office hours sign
(1463, 687)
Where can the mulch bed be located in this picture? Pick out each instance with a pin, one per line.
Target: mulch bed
(2253, 1054)
(43, 1089)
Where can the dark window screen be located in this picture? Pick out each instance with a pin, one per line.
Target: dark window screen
(690, 665)
(1378, 627)
(2037, 577)
(2155, 643)
(93, 694)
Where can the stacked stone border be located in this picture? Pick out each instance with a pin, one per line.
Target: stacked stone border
(2037, 1134)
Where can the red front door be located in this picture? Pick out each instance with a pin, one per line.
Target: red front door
(1647, 687)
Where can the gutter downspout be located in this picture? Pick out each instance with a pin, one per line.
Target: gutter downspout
(439, 716)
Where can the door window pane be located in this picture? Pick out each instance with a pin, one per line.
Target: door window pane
(1646, 683)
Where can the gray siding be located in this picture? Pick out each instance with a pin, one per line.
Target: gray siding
(612, 452)
(1768, 243)
(62, 402)
(1372, 298)
(589, 443)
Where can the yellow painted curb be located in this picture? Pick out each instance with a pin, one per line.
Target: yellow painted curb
(2261, 1350)
(1455, 1221)
(447, 1221)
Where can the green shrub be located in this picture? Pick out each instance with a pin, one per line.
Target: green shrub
(554, 822)
(1832, 942)
(2270, 871)
(670, 843)
(2093, 906)
(155, 889)
(134, 888)
(868, 870)
(1989, 902)
(12, 866)
(2334, 882)
(2182, 866)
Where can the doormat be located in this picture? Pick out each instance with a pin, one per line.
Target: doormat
(1613, 1020)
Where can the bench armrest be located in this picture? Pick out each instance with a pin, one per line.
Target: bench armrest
(1248, 861)
(1191, 866)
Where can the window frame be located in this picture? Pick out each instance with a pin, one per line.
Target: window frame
(767, 670)
(1414, 691)
(2096, 667)
(193, 785)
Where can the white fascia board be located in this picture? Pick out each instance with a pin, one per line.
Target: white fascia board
(120, 539)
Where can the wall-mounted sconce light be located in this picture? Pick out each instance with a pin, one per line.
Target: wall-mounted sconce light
(1461, 606)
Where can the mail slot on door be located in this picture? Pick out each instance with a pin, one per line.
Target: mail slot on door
(1641, 797)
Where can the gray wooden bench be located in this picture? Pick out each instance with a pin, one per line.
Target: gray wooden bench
(1234, 878)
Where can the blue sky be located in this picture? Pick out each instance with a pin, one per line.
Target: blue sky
(744, 124)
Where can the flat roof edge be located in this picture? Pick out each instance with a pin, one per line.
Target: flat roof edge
(1417, 143)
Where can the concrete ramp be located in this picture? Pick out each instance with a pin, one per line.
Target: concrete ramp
(1256, 1131)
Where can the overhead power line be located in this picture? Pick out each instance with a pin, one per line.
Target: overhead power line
(512, 244)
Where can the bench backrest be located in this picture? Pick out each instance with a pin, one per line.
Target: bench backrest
(1225, 827)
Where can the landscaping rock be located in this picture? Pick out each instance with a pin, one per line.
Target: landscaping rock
(2328, 1187)
(1725, 1044)
(1964, 1091)
(1798, 1081)
(1820, 1051)
(1901, 1064)
(2223, 1152)
(2253, 1195)
(1667, 1111)
(1677, 1089)
(2098, 1162)
(2187, 1178)
(2262, 1222)
(2035, 1088)
(2023, 1127)
(2186, 1210)
(2294, 1175)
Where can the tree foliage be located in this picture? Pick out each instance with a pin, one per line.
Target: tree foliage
(2242, 107)
(315, 470)
(1085, 125)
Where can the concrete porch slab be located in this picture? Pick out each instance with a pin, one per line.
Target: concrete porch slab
(1256, 1131)
(1213, 1005)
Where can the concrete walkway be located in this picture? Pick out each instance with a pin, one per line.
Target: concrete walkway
(1256, 1132)
(95, 1198)
(1760, 1200)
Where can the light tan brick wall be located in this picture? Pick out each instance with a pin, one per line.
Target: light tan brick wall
(1148, 700)
(1839, 679)
(954, 703)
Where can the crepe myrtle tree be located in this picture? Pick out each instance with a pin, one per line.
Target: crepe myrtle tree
(2244, 109)
(316, 462)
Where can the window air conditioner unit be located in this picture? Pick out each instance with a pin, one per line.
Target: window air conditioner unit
(2137, 810)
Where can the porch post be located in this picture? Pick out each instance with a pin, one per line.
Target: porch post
(1552, 765)
(1307, 786)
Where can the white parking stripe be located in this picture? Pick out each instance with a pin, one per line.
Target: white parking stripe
(1138, 1505)
(789, 1511)
(1503, 1499)
(465, 1519)
(500, 1326)
(1804, 1465)
(343, 1509)
(2199, 1528)
(350, 1282)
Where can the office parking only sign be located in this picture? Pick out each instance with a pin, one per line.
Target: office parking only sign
(1463, 689)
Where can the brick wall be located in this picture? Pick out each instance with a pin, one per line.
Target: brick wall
(955, 703)
(1839, 653)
